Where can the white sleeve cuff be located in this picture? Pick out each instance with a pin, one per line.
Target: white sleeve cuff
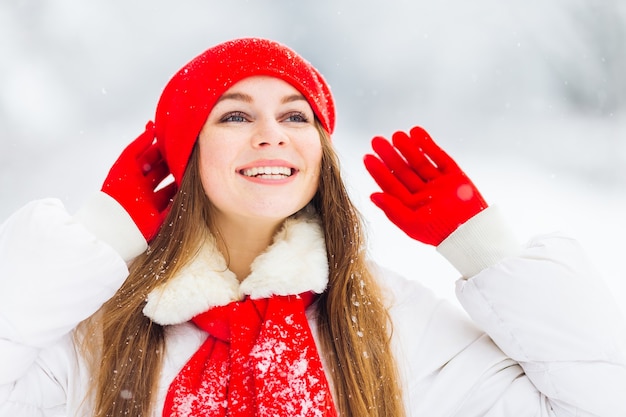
(482, 241)
(108, 221)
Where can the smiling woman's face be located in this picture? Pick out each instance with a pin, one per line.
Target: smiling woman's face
(260, 151)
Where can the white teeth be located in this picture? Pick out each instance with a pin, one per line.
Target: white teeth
(267, 172)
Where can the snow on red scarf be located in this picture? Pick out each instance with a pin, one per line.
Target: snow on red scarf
(260, 359)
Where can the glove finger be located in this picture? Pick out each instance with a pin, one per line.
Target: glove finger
(420, 199)
(387, 181)
(149, 157)
(164, 196)
(139, 146)
(399, 214)
(397, 165)
(157, 173)
(432, 151)
(414, 155)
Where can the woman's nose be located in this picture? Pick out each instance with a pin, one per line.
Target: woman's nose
(269, 133)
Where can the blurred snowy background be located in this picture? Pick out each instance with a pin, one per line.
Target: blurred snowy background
(529, 97)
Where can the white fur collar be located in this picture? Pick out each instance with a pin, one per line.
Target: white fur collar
(295, 263)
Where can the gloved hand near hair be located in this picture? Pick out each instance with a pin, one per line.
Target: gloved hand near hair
(133, 179)
(424, 192)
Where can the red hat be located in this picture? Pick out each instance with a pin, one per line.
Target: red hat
(190, 95)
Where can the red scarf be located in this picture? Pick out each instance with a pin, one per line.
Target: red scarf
(259, 359)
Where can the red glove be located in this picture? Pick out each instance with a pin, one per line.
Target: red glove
(132, 181)
(424, 192)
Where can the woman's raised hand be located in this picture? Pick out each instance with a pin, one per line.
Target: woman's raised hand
(133, 181)
(424, 192)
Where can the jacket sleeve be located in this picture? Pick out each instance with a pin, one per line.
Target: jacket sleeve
(55, 272)
(545, 307)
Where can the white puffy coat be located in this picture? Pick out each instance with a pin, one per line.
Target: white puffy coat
(544, 339)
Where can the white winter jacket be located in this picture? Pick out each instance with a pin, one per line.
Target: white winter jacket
(544, 338)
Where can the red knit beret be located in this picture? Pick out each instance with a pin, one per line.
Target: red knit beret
(190, 95)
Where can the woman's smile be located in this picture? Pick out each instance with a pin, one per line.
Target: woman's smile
(269, 172)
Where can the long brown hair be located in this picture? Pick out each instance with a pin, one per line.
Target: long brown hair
(355, 328)
(353, 322)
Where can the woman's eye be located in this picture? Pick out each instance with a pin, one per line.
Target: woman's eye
(235, 117)
(297, 117)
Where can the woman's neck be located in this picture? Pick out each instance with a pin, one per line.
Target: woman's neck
(242, 241)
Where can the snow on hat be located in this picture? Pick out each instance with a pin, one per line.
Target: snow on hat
(190, 95)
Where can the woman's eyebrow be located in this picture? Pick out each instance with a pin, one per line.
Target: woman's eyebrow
(248, 99)
(292, 98)
(236, 96)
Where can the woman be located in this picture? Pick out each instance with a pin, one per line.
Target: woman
(254, 296)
